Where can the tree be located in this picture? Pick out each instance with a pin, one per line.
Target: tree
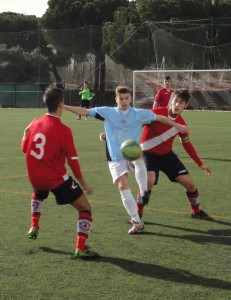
(129, 45)
(76, 15)
(127, 41)
(16, 65)
(164, 10)
(23, 32)
(19, 30)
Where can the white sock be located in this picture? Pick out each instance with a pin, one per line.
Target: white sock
(141, 175)
(130, 204)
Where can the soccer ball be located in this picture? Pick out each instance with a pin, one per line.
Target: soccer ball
(130, 150)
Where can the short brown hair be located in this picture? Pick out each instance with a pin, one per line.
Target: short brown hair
(122, 89)
(53, 96)
(183, 94)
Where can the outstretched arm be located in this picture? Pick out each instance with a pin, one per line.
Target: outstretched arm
(193, 154)
(167, 121)
(77, 110)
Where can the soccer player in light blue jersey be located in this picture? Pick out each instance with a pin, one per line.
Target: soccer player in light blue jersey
(122, 123)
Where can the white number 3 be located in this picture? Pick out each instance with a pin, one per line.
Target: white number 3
(39, 145)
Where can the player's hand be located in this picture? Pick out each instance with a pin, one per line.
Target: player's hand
(183, 129)
(102, 136)
(87, 189)
(206, 169)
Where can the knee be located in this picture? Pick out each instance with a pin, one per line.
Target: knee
(190, 187)
(82, 203)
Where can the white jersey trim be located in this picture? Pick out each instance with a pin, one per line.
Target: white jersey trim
(74, 157)
(66, 177)
(159, 139)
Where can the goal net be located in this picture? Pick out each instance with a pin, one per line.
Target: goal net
(210, 89)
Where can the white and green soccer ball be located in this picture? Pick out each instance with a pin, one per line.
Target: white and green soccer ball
(130, 150)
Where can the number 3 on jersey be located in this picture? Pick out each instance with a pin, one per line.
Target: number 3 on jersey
(40, 140)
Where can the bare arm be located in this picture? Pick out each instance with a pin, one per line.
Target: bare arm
(155, 104)
(77, 110)
(86, 187)
(167, 121)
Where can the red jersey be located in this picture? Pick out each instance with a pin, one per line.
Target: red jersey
(157, 138)
(47, 145)
(163, 96)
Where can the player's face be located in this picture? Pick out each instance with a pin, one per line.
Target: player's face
(167, 83)
(123, 101)
(178, 105)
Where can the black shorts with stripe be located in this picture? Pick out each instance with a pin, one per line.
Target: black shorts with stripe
(168, 163)
(65, 193)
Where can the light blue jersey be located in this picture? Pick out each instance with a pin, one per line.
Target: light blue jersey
(120, 126)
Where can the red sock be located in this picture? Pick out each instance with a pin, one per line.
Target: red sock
(195, 208)
(83, 229)
(140, 209)
(81, 241)
(35, 217)
(194, 201)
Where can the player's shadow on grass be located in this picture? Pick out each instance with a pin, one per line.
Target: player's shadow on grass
(200, 239)
(54, 251)
(163, 273)
(156, 271)
(222, 236)
(212, 221)
(225, 232)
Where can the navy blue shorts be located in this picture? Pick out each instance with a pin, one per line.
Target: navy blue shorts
(168, 163)
(66, 193)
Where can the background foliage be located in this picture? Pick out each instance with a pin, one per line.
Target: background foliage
(103, 41)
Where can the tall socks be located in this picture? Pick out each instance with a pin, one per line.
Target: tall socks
(36, 210)
(83, 229)
(130, 204)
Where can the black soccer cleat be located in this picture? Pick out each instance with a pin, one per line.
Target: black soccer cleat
(201, 215)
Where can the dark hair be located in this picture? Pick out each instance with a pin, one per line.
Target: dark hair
(53, 96)
(167, 78)
(183, 94)
(122, 89)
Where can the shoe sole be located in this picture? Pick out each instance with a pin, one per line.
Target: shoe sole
(206, 218)
(32, 237)
(96, 255)
(136, 232)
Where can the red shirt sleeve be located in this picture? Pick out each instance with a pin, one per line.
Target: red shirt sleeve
(191, 150)
(158, 96)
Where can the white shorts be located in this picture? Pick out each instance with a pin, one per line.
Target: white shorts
(119, 168)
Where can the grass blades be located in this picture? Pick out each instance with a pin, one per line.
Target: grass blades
(175, 257)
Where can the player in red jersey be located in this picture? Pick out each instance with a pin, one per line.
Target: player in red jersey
(163, 95)
(157, 143)
(48, 143)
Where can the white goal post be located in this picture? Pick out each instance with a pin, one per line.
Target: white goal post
(210, 89)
